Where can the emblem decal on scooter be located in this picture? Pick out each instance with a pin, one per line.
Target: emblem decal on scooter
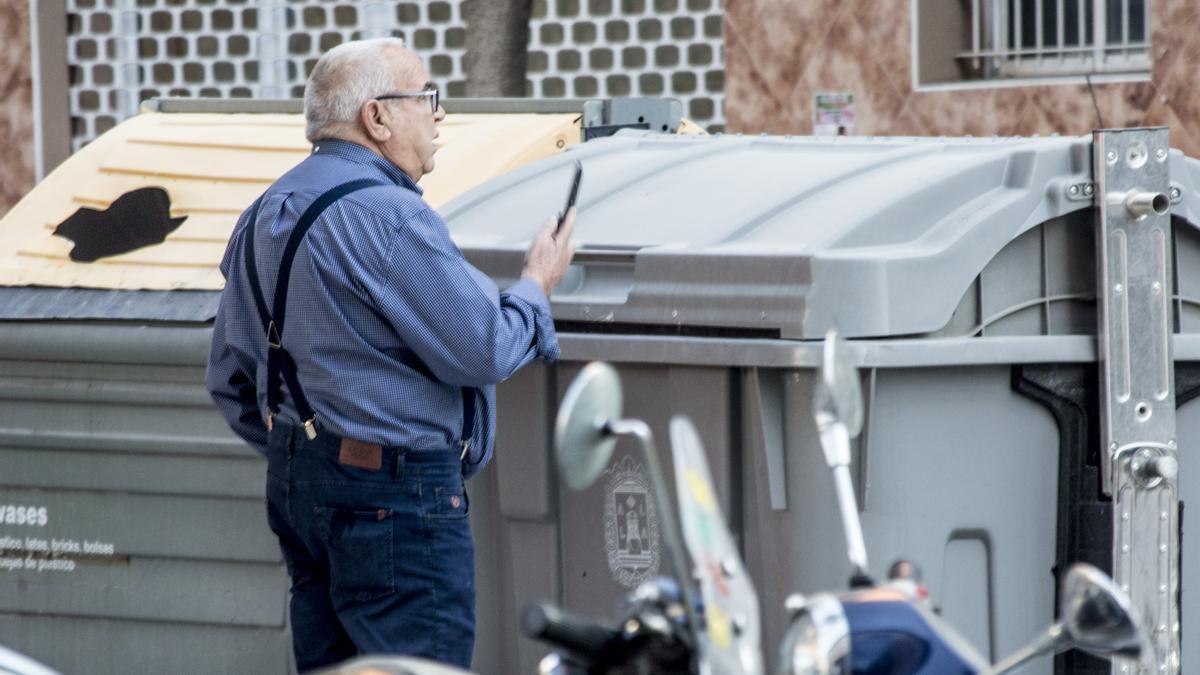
(630, 524)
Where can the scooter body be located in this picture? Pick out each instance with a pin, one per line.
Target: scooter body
(876, 630)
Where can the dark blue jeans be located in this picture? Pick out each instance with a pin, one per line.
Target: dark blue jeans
(381, 561)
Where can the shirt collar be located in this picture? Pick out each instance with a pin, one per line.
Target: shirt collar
(354, 152)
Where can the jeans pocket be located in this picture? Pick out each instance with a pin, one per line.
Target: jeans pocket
(360, 545)
(449, 502)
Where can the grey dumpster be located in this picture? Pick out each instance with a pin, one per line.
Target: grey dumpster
(964, 272)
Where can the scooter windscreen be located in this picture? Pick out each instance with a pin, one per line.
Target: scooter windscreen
(730, 639)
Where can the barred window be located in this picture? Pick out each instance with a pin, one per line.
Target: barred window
(1005, 39)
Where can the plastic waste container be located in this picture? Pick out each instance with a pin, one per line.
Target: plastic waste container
(707, 269)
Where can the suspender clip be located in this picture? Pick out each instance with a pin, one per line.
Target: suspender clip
(273, 339)
(310, 428)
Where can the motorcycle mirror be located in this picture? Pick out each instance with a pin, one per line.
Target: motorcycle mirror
(838, 396)
(1097, 617)
(583, 438)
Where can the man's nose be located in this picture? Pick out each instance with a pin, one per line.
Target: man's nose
(440, 114)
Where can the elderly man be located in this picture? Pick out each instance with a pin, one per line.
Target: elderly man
(358, 350)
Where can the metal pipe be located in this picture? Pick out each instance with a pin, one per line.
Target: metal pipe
(1140, 204)
(128, 83)
(835, 443)
(855, 544)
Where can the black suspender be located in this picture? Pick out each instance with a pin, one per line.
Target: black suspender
(279, 361)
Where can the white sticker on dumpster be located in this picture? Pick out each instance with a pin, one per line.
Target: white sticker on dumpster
(22, 551)
(630, 524)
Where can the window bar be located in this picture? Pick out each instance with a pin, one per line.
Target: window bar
(997, 34)
(1146, 28)
(1081, 20)
(1099, 34)
(1038, 30)
(976, 20)
(1125, 29)
(1019, 45)
(1059, 23)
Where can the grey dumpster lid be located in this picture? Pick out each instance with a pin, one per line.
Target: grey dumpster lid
(777, 236)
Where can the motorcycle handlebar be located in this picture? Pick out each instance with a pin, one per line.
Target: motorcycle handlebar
(575, 634)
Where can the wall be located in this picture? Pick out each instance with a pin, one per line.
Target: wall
(780, 52)
(16, 103)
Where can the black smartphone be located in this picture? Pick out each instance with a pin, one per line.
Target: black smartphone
(572, 195)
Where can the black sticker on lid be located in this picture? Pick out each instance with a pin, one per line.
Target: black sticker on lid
(136, 219)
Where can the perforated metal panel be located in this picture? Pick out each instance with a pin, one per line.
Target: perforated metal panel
(122, 52)
(603, 48)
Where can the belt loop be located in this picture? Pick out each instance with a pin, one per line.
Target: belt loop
(398, 465)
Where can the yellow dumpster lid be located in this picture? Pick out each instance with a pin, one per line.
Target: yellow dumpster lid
(212, 165)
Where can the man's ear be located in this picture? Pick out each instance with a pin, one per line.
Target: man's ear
(373, 118)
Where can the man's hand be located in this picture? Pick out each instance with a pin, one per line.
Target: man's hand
(550, 254)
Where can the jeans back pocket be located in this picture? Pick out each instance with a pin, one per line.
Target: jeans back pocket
(360, 545)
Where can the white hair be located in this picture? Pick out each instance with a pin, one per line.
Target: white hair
(345, 78)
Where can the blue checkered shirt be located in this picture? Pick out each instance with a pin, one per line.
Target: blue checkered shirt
(380, 300)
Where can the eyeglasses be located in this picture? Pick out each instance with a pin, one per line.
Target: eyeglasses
(430, 90)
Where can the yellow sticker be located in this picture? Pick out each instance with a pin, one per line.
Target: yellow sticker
(699, 487)
(719, 630)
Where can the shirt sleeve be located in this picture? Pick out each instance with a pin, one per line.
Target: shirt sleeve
(451, 314)
(230, 381)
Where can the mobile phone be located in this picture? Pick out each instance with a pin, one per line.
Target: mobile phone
(576, 179)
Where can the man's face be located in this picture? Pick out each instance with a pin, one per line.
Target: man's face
(413, 124)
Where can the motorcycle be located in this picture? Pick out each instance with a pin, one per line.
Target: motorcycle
(705, 619)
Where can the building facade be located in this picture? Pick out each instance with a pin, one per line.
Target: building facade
(928, 67)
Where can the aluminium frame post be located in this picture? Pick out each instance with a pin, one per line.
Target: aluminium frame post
(1137, 378)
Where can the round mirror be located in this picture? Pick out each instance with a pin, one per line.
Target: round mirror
(838, 397)
(582, 441)
(1097, 617)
